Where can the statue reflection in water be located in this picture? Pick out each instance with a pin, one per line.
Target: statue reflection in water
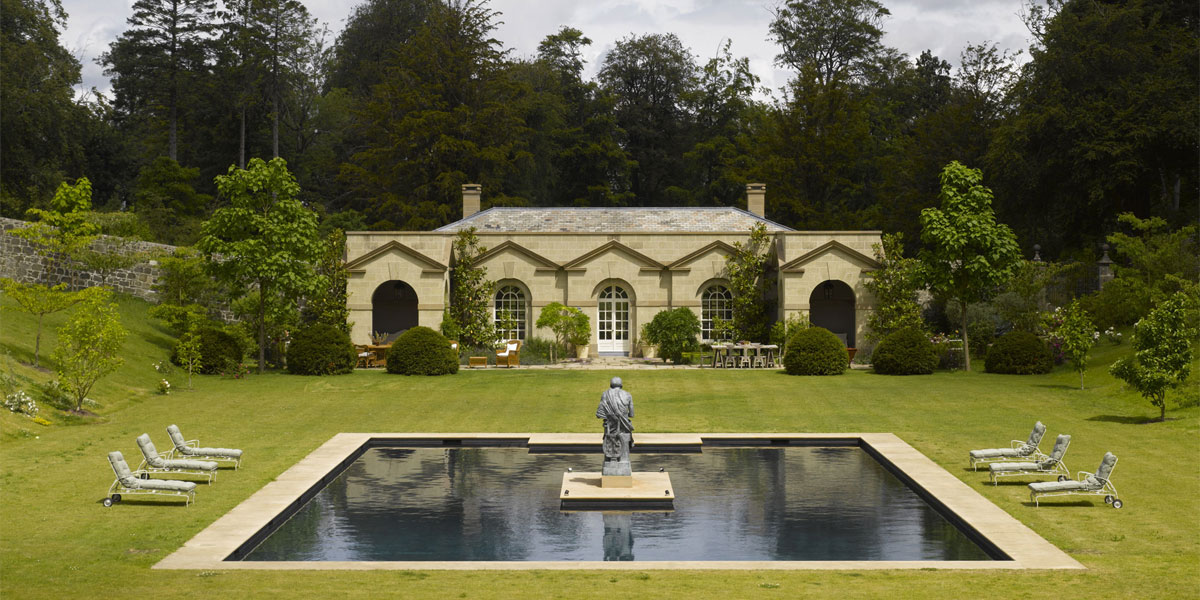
(618, 536)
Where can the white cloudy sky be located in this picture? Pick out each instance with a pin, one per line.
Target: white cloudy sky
(943, 26)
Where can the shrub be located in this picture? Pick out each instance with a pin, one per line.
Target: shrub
(320, 349)
(815, 351)
(1019, 353)
(906, 351)
(220, 352)
(536, 351)
(674, 331)
(422, 351)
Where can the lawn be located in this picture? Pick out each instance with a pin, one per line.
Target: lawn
(58, 541)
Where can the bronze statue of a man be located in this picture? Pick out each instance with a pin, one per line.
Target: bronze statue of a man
(616, 408)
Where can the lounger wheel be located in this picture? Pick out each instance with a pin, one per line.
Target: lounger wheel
(108, 502)
(144, 476)
(116, 497)
(1062, 477)
(1108, 499)
(1117, 503)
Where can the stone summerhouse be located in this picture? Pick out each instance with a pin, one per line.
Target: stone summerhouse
(620, 265)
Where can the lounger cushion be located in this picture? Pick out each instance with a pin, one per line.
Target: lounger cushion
(225, 452)
(121, 468)
(169, 485)
(149, 451)
(191, 465)
(1043, 487)
(1002, 452)
(1015, 466)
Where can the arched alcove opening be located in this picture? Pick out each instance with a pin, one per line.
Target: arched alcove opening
(393, 307)
(831, 306)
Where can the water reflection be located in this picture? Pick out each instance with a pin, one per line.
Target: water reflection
(731, 504)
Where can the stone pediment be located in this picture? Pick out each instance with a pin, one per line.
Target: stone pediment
(428, 265)
(645, 262)
(796, 265)
(718, 246)
(509, 246)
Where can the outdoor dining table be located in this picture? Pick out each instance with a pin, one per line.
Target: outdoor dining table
(744, 350)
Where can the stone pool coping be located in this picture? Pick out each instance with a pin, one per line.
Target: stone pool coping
(208, 549)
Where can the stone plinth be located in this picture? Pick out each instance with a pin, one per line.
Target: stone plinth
(590, 491)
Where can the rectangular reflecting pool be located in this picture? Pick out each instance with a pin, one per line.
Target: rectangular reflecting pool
(797, 503)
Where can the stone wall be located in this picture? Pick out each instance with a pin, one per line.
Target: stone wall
(19, 260)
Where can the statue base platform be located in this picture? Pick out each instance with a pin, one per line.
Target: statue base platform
(595, 491)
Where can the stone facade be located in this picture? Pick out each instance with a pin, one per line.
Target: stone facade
(19, 260)
(658, 264)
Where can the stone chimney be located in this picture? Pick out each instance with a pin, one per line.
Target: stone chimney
(471, 193)
(756, 198)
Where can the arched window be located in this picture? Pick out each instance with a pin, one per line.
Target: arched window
(509, 313)
(716, 303)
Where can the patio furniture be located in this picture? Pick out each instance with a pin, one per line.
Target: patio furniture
(366, 358)
(153, 462)
(510, 355)
(188, 449)
(760, 357)
(379, 354)
(477, 361)
(772, 350)
(1018, 450)
(744, 356)
(1093, 484)
(131, 483)
(1051, 466)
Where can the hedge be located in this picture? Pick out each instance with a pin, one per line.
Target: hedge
(320, 349)
(422, 351)
(906, 351)
(815, 351)
(1019, 353)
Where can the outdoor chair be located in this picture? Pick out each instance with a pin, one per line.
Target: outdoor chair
(510, 355)
(1051, 466)
(154, 463)
(130, 483)
(1018, 450)
(366, 358)
(187, 449)
(1092, 484)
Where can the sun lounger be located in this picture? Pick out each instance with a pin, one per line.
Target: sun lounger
(1017, 451)
(155, 463)
(1053, 465)
(1092, 484)
(131, 483)
(187, 449)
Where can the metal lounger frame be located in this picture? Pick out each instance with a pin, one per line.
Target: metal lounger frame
(1060, 469)
(175, 453)
(1035, 456)
(1108, 490)
(146, 469)
(118, 490)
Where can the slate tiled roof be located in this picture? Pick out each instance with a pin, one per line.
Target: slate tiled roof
(610, 220)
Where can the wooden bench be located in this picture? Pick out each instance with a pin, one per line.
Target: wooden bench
(477, 361)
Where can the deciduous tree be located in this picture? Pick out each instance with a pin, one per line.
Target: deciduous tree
(89, 344)
(1163, 357)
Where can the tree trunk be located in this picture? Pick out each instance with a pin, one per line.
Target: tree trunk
(37, 342)
(966, 342)
(275, 125)
(242, 140)
(262, 329)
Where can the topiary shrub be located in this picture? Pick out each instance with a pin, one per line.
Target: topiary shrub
(1019, 353)
(422, 351)
(674, 331)
(815, 351)
(320, 349)
(906, 351)
(219, 352)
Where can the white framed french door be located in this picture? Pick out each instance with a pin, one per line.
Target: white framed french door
(612, 320)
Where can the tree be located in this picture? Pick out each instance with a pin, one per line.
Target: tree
(327, 305)
(63, 232)
(266, 241)
(967, 254)
(1160, 260)
(38, 300)
(151, 64)
(471, 292)
(569, 324)
(188, 351)
(674, 331)
(1163, 351)
(286, 29)
(894, 285)
(88, 345)
(828, 39)
(1077, 334)
(165, 199)
(747, 268)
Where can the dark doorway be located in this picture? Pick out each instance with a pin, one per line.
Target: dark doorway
(831, 306)
(393, 307)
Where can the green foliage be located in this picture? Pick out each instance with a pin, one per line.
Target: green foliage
(64, 231)
(782, 331)
(828, 39)
(747, 269)
(1163, 357)
(450, 327)
(906, 351)
(328, 303)
(471, 292)
(187, 350)
(967, 253)
(538, 351)
(321, 349)
(815, 351)
(220, 351)
(569, 324)
(981, 325)
(1027, 294)
(1078, 335)
(167, 203)
(265, 240)
(89, 345)
(674, 331)
(894, 285)
(422, 351)
(38, 300)
(1019, 353)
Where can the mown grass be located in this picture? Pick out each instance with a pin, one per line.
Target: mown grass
(56, 540)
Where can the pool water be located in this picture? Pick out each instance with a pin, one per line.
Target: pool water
(501, 504)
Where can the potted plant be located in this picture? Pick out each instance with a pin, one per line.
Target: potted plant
(580, 333)
(648, 350)
(569, 324)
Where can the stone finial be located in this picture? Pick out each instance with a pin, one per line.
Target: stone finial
(756, 198)
(1037, 253)
(470, 194)
(1104, 270)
